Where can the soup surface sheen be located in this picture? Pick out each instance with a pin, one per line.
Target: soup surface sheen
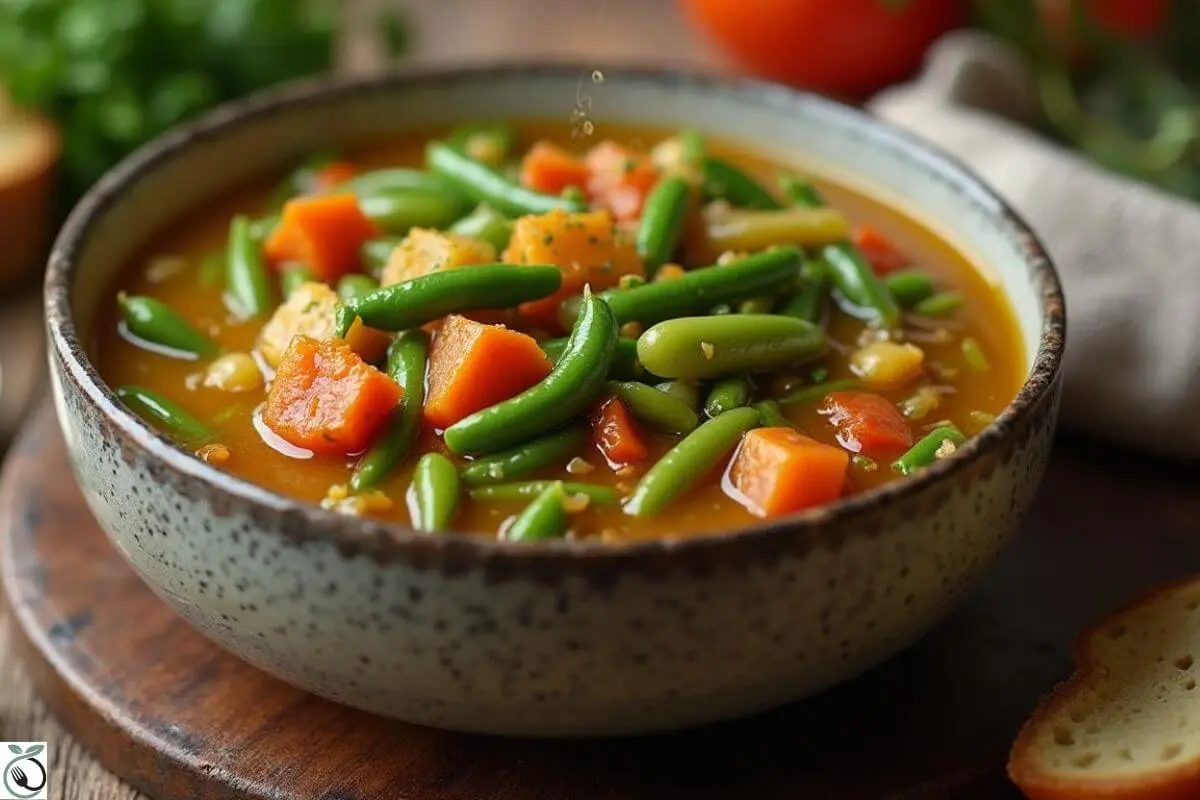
(970, 368)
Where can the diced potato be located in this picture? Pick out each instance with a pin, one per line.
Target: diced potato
(423, 251)
(233, 372)
(309, 311)
(886, 365)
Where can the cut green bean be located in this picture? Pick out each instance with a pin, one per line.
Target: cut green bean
(596, 493)
(657, 409)
(691, 143)
(739, 229)
(625, 364)
(486, 224)
(167, 415)
(414, 302)
(484, 185)
(246, 281)
(433, 494)
(406, 365)
(861, 292)
(526, 459)
(939, 305)
(698, 290)
(293, 278)
(772, 415)
(809, 302)
(710, 347)
(685, 391)
(689, 460)
(757, 305)
(939, 443)
(909, 286)
(261, 228)
(399, 212)
(561, 396)
(544, 518)
(487, 142)
(662, 222)
(724, 181)
(375, 254)
(401, 179)
(973, 354)
(156, 323)
(351, 287)
(815, 394)
(728, 394)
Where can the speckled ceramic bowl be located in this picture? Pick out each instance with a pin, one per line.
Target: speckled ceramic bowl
(556, 639)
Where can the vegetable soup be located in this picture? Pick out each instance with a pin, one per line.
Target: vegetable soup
(506, 331)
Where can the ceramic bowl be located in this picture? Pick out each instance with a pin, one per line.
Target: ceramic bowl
(556, 639)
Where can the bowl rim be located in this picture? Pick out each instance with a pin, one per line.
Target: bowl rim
(383, 540)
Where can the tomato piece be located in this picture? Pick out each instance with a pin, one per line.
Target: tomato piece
(879, 250)
(849, 47)
(619, 179)
(867, 423)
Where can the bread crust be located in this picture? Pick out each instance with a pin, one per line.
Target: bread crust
(1179, 781)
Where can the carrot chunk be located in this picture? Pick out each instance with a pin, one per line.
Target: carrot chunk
(549, 168)
(332, 175)
(867, 423)
(586, 247)
(473, 366)
(780, 471)
(879, 251)
(619, 179)
(327, 399)
(617, 435)
(324, 232)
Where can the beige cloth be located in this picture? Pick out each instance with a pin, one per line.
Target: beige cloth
(1129, 255)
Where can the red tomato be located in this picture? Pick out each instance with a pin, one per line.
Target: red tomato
(850, 47)
(1129, 19)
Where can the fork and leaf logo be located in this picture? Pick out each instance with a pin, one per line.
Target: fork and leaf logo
(24, 776)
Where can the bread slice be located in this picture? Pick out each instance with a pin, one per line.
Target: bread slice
(29, 149)
(1126, 724)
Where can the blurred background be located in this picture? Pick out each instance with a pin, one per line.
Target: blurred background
(84, 82)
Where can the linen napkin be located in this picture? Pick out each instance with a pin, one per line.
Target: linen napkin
(1128, 254)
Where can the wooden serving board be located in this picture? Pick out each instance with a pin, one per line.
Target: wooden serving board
(179, 718)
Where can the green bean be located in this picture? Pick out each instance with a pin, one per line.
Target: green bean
(710, 347)
(739, 229)
(353, 286)
(400, 179)
(929, 449)
(433, 494)
(300, 180)
(406, 364)
(487, 142)
(973, 354)
(544, 518)
(246, 279)
(486, 224)
(689, 460)
(573, 194)
(526, 459)
(293, 278)
(397, 212)
(725, 181)
(909, 286)
(561, 396)
(415, 302)
(484, 185)
(809, 302)
(375, 254)
(698, 290)
(600, 495)
(662, 222)
(685, 391)
(817, 393)
(182, 425)
(155, 322)
(757, 305)
(691, 142)
(939, 305)
(261, 228)
(657, 409)
(863, 295)
(625, 362)
(772, 415)
(728, 394)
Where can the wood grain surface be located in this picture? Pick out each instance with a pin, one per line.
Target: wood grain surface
(180, 718)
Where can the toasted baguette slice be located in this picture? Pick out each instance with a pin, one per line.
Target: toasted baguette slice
(1126, 724)
(29, 148)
